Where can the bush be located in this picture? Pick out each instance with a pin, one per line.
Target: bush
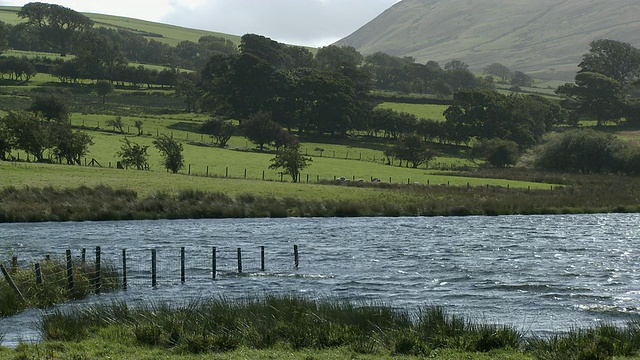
(497, 152)
(581, 150)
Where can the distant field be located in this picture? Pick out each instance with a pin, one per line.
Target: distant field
(168, 34)
(422, 111)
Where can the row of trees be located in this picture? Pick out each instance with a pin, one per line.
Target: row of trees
(54, 28)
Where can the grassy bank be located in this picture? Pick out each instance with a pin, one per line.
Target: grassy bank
(68, 193)
(298, 328)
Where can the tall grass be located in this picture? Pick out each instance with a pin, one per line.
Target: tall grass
(54, 288)
(284, 321)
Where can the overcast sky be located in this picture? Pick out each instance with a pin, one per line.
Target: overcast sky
(300, 22)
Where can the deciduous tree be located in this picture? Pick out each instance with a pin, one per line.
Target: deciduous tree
(133, 154)
(291, 161)
(171, 152)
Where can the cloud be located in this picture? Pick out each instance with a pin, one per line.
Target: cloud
(308, 22)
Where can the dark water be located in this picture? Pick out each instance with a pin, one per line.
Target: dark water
(541, 274)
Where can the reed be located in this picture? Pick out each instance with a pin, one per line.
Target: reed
(280, 322)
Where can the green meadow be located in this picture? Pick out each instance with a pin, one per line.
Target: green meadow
(421, 111)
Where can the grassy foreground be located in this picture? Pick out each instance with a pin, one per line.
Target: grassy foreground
(296, 328)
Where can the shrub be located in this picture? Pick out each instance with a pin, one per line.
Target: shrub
(497, 152)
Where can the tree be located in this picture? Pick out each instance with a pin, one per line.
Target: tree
(117, 124)
(99, 56)
(6, 141)
(220, 129)
(56, 25)
(291, 161)
(594, 94)
(498, 70)
(521, 79)
(50, 108)
(68, 145)
(138, 125)
(28, 133)
(412, 149)
(454, 65)
(580, 150)
(133, 154)
(261, 130)
(104, 88)
(186, 88)
(615, 59)
(171, 151)
(497, 152)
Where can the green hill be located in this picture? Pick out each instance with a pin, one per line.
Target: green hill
(168, 34)
(545, 38)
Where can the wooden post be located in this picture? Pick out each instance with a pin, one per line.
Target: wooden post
(295, 256)
(10, 282)
(124, 269)
(182, 273)
(39, 275)
(262, 174)
(261, 258)
(245, 173)
(98, 270)
(14, 263)
(207, 171)
(281, 177)
(153, 268)
(226, 173)
(213, 264)
(84, 256)
(189, 173)
(239, 260)
(69, 271)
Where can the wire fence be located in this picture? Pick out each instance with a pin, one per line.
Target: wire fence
(95, 271)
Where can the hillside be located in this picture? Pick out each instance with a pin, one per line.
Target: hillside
(168, 34)
(545, 38)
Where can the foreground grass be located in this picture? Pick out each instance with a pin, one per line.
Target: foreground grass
(286, 327)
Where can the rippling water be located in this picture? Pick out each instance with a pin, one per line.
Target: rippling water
(541, 274)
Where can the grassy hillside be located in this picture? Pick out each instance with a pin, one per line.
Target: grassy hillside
(545, 38)
(168, 34)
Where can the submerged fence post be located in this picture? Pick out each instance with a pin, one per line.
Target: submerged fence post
(39, 275)
(182, 274)
(213, 263)
(98, 270)
(11, 283)
(69, 271)
(239, 260)
(261, 258)
(124, 269)
(295, 256)
(153, 268)
(83, 257)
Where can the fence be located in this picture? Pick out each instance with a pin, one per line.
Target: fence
(151, 267)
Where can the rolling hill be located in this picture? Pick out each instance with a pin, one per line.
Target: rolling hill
(545, 38)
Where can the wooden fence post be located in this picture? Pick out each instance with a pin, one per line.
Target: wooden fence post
(213, 264)
(153, 268)
(239, 260)
(69, 271)
(83, 256)
(182, 273)
(39, 275)
(295, 256)
(261, 258)
(98, 270)
(14, 263)
(124, 269)
(11, 283)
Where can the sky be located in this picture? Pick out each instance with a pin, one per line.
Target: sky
(300, 22)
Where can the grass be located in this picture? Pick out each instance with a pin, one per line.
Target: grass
(422, 111)
(54, 289)
(290, 327)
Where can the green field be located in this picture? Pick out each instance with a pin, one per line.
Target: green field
(422, 111)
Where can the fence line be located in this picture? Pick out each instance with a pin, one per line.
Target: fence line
(152, 267)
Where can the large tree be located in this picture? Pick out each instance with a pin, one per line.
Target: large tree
(615, 59)
(220, 129)
(594, 94)
(56, 25)
(412, 149)
(499, 70)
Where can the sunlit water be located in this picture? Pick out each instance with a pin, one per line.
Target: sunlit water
(541, 274)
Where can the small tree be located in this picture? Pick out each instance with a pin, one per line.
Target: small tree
(521, 79)
(221, 130)
(134, 154)
(50, 107)
(291, 161)
(117, 124)
(412, 149)
(261, 130)
(171, 151)
(497, 152)
(104, 88)
(138, 125)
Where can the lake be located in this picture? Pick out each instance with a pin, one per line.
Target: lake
(542, 274)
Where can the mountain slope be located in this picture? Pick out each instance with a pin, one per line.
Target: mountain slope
(546, 38)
